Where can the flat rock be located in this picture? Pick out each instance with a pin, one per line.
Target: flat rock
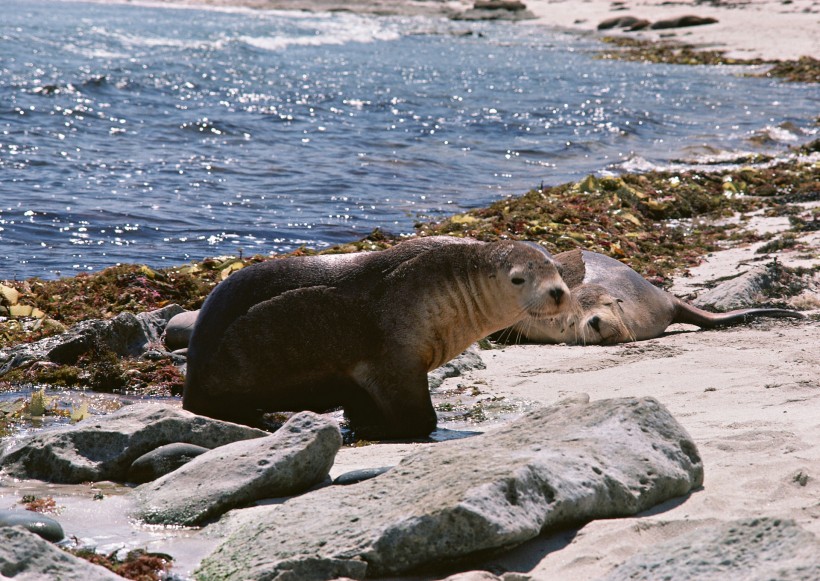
(40, 524)
(103, 448)
(162, 460)
(291, 460)
(554, 467)
(26, 557)
(757, 549)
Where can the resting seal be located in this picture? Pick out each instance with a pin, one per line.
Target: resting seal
(611, 303)
(360, 330)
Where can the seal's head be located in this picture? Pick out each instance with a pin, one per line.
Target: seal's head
(590, 316)
(600, 318)
(530, 279)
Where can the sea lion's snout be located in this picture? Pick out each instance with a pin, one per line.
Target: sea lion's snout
(551, 298)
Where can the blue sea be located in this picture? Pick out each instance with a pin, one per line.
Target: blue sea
(160, 135)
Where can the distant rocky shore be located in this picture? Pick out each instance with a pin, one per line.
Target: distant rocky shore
(654, 32)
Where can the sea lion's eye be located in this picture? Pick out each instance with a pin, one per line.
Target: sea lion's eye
(518, 280)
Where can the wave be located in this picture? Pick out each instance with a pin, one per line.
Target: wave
(137, 41)
(326, 31)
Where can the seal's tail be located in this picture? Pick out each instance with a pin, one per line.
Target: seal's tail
(692, 315)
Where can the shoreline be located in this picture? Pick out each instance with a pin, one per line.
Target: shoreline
(747, 31)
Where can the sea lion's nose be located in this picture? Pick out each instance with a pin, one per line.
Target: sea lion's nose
(557, 294)
(595, 323)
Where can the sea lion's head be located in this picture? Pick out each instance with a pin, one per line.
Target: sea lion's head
(529, 279)
(600, 317)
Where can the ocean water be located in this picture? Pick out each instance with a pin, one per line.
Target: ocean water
(136, 133)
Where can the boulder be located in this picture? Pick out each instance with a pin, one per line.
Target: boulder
(179, 329)
(26, 557)
(43, 526)
(740, 292)
(554, 467)
(297, 456)
(126, 334)
(756, 549)
(162, 460)
(103, 448)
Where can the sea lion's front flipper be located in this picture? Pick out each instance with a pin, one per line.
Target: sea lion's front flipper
(400, 395)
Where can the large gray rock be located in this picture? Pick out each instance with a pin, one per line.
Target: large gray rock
(103, 448)
(554, 467)
(740, 292)
(26, 557)
(297, 456)
(126, 334)
(757, 549)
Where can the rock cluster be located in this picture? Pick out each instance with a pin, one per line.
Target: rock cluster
(291, 460)
(103, 448)
(552, 468)
(126, 335)
(555, 467)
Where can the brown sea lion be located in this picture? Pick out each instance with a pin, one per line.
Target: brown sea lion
(359, 331)
(611, 303)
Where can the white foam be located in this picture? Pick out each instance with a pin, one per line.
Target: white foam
(336, 30)
(137, 41)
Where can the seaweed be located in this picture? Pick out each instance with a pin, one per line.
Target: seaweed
(138, 565)
(806, 69)
(41, 504)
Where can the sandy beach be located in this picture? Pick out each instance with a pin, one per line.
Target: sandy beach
(765, 29)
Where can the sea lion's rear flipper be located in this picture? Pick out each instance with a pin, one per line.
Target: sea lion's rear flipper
(692, 315)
